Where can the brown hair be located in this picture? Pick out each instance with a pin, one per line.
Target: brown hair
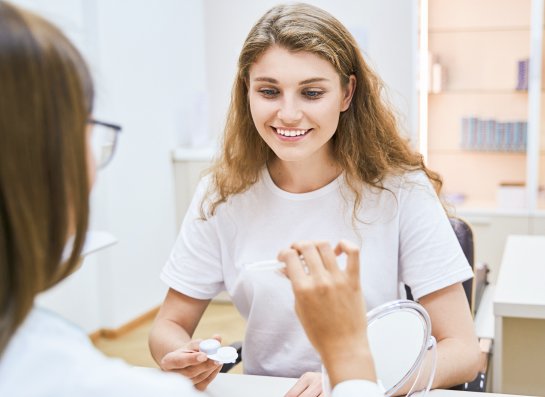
(367, 144)
(45, 99)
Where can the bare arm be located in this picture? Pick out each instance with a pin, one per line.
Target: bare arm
(170, 339)
(458, 353)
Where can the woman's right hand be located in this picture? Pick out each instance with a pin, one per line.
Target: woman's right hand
(192, 364)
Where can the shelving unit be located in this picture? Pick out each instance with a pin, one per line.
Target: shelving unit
(478, 44)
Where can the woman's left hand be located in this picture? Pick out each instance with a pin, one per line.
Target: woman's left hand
(308, 385)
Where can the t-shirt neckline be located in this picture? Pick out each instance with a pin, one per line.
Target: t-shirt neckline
(331, 186)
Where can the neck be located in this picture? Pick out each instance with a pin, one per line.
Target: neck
(306, 175)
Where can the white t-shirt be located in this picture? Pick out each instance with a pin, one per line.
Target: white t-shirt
(49, 357)
(403, 233)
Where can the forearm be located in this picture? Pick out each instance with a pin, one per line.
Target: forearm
(457, 362)
(458, 352)
(165, 337)
(454, 366)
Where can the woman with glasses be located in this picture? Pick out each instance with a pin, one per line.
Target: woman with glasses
(49, 151)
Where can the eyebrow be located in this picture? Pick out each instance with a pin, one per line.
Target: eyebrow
(304, 82)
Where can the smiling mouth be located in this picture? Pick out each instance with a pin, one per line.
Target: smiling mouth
(291, 132)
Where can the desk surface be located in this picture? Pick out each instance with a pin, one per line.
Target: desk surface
(520, 291)
(230, 385)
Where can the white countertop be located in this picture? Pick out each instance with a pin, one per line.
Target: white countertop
(227, 385)
(97, 240)
(484, 318)
(233, 385)
(520, 289)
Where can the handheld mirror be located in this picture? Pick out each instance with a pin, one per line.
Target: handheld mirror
(403, 349)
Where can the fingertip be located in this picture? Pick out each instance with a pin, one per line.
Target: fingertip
(300, 246)
(281, 255)
(350, 246)
(217, 337)
(284, 254)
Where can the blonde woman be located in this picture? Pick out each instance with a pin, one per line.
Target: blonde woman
(310, 152)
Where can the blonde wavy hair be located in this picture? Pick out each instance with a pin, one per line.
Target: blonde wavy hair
(367, 144)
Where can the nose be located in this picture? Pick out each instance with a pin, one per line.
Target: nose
(290, 112)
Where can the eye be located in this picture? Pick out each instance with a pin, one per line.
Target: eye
(268, 92)
(313, 94)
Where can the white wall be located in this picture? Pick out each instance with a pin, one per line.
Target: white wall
(148, 62)
(385, 30)
(152, 65)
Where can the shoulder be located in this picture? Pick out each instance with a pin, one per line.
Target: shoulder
(61, 361)
(407, 180)
(207, 194)
(398, 184)
(411, 187)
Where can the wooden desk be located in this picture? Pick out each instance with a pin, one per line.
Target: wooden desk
(228, 385)
(519, 310)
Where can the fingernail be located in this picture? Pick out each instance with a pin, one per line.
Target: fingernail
(202, 358)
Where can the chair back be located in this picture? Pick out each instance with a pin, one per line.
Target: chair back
(465, 238)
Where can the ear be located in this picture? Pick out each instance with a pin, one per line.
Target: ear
(348, 93)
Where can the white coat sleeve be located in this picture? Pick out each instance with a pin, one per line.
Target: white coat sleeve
(357, 388)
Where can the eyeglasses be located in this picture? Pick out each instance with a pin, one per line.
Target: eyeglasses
(103, 141)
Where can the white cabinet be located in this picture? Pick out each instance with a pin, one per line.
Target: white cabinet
(537, 224)
(519, 310)
(490, 231)
(189, 167)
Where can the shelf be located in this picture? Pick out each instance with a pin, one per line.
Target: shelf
(97, 240)
(491, 29)
(487, 60)
(478, 91)
(477, 175)
(475, 153)
(479, 44)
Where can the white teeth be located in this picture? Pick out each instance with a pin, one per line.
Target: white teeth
(291, 132)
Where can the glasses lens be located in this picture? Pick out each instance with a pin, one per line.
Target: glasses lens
(103, 143)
